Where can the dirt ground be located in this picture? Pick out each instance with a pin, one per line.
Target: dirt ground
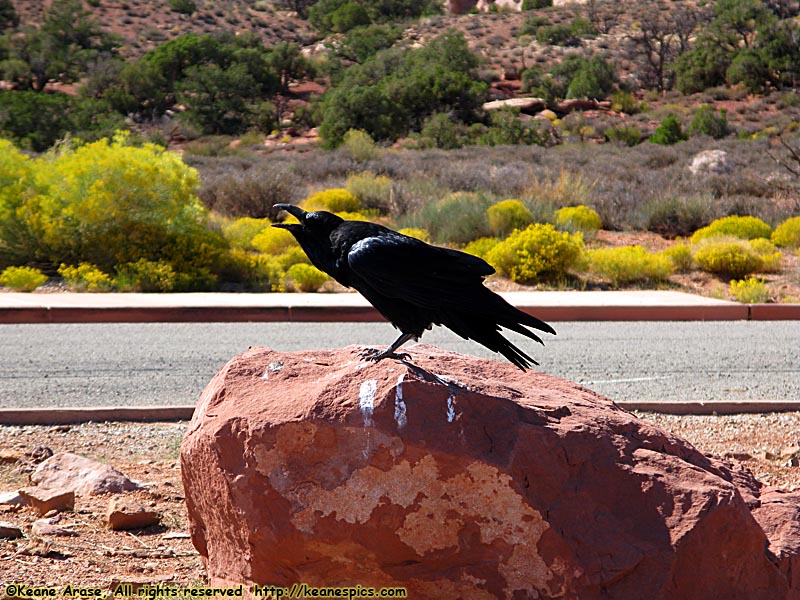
(767, 444)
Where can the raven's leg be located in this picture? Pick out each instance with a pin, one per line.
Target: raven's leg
(374, 354)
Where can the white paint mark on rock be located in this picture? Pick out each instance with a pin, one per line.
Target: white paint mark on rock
(451, 408)
(366, 400)
(399, 404)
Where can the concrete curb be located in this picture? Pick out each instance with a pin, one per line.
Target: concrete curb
(209, 314)
(72, 415)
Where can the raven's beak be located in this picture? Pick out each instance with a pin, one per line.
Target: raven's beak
(293, 210)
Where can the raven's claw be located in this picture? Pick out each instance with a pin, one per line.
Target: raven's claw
(375, 355)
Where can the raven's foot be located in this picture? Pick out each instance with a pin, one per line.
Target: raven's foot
(375, 355)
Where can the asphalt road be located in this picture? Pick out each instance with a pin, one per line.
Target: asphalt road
(157, 363)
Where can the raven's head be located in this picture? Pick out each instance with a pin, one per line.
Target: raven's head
(313, 233)
(312, 224)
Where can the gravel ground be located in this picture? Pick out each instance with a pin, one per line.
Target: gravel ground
(767, 444)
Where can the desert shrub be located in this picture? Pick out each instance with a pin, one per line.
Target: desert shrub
(508, 215)
(749, 291)
(727, 257)
(622, 101)
(360, 145)
(417, 233)
(251, 271)
(333, 200)
(680, 255)
(305, 278)
(482, 246)
(18, 243)
(274, 241)
(668, 132)
(746, 228)
(371, 191)
(22, 279)
(248, 192)
(681, 216)
(629, 264)
(183, 6)
(292, 256)
(707, 121)
(86, 277)
(769, 254)
(787, 234)
(536, 4)
(147, 276)
(630, 135)
(578, 218)
(537, 253)
(109, 203)
(240, 233)
(568, 189)
(456, 219)
(352, 216)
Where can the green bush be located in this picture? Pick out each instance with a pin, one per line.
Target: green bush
(727, 257)
(746, 228)
(537, 253)
(249, 271)
(86, 278)
(108, 204)
(630, 135)
(508, 215)
(371, 191)
(536, 4)
(456, 219)
(360, 145)
(578, 218)
(305, 278)
(482, 246)
(274, 241)
(787, 234)
(183, 6)
(629, 264)
(147, 276)
(673, 217)
(707, 121)
(333, 200)
(680, 255)
(668, 132)
(240, 233)
(416, 233)
(22, 279)
(769, 254)
(749, 291)
(622, 101)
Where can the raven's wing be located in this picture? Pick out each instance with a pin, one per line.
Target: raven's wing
(436, 279)
(427, 276)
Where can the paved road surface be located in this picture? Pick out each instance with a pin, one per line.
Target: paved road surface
(157, 363)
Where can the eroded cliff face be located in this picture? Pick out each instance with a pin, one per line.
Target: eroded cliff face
(460, 477)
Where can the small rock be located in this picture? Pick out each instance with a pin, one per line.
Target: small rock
(790, 450)
(37, 454)
(9, 531)
(739, 455)
(11, 498)
(43, 500)
(176, 535)
(84, 476)
(61, 429)
(8, 457)
(128, 514)
(792, 462)
(710, 162)
(49, 527)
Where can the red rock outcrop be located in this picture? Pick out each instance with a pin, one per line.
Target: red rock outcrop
(464, 478)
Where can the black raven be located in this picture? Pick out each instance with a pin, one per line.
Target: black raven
(411, 283)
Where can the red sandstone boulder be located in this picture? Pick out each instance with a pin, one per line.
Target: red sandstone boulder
(462, 478)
